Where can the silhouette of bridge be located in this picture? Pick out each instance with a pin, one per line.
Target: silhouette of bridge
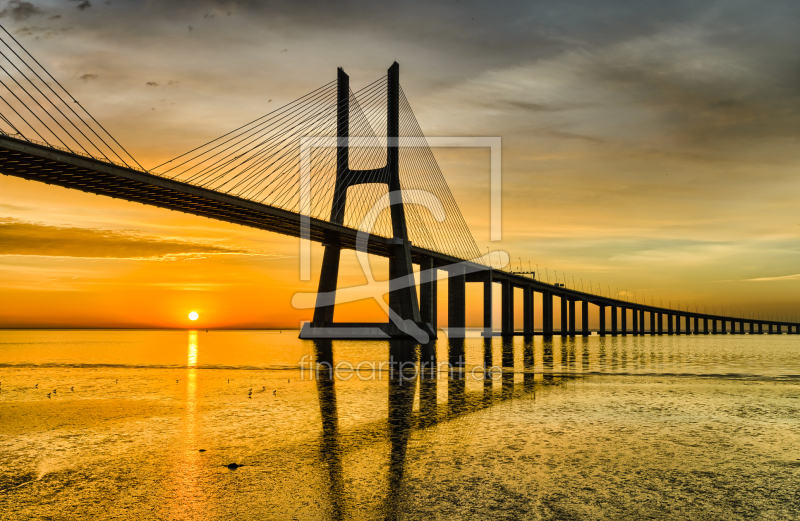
(262, 175)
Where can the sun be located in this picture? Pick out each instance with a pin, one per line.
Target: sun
(193, 315)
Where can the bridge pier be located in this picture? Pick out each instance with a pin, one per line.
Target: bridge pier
(634, 322)
(624, 321)
(705, 326)
(614, 331)
(429, 292)
(713, 326)
(660, 323)
(585, 317)
(507, 308)
(670, 320)
(760, 328)
(456, 302)
(723, 327)
(641, 322)
(602, 328)
(572, 317)
(696, 325)
(547, 313)
(770, 329)
(653, 330)
(488, 326)
(564, 315)
(527, 311)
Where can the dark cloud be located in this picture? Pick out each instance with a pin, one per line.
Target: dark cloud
(151, 84)
(25, 238)
(87, 77)
(19, 10)
(83, 5)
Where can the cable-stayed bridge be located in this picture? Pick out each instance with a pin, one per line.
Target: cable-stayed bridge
(319, 168)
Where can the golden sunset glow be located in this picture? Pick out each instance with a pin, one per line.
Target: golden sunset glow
(625, 167)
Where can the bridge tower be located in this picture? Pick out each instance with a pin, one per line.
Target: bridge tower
(402, 288)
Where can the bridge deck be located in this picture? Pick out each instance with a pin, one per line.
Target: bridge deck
(53, 166)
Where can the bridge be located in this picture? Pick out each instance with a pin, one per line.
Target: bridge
(315, 169)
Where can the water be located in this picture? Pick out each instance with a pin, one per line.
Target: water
(589, 428)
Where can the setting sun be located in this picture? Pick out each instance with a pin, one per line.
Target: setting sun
(193, 315)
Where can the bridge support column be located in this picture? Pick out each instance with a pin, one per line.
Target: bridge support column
(456, 302)
(696, 326)
(547, 313)
(585, 317)
(488, 284)
(752, 328)
(760, 328)
(564, 315)
(527, 311)
(602, 309)
(428, 292)
(724, 326)
(623, 321)
(660, 323)
(572, 317)
(634, 321)
(705, 326)
(670, 325)
(653, 329)
(614, 330)
(714, 326)
(770, 329)
(641, 322)
(741, 327)
(507, 309)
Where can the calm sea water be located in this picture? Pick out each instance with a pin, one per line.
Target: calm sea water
(144, 425)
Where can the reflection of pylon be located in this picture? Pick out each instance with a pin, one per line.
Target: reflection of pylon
(402, 289)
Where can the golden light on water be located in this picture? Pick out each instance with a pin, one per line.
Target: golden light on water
(193, 315)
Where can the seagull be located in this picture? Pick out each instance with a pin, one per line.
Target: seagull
(264, 388)
(72, 388)
(176, 381)
(37, 386)
(275, 391)
(48, 395)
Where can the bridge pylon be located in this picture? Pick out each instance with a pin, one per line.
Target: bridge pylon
(403, 301)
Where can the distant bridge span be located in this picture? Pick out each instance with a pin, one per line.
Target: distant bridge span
(47, 165)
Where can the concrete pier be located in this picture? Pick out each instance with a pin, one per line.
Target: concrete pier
(547, 313)
(585, 317)
(456, 302)
(527, 311)
(507, 308)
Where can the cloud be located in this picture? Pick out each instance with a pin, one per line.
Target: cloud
(87, 77)
(33, 239)
(796, 276)
(152, 84)
(20, 11)
(83, 5)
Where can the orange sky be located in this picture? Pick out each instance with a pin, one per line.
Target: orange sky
(653, 159)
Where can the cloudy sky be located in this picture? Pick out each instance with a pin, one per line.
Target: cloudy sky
(648, 147)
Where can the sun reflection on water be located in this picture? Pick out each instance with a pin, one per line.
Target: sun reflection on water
(187, 496)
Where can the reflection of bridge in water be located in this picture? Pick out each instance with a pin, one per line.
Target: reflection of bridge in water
(259, 175)
(402, 420)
